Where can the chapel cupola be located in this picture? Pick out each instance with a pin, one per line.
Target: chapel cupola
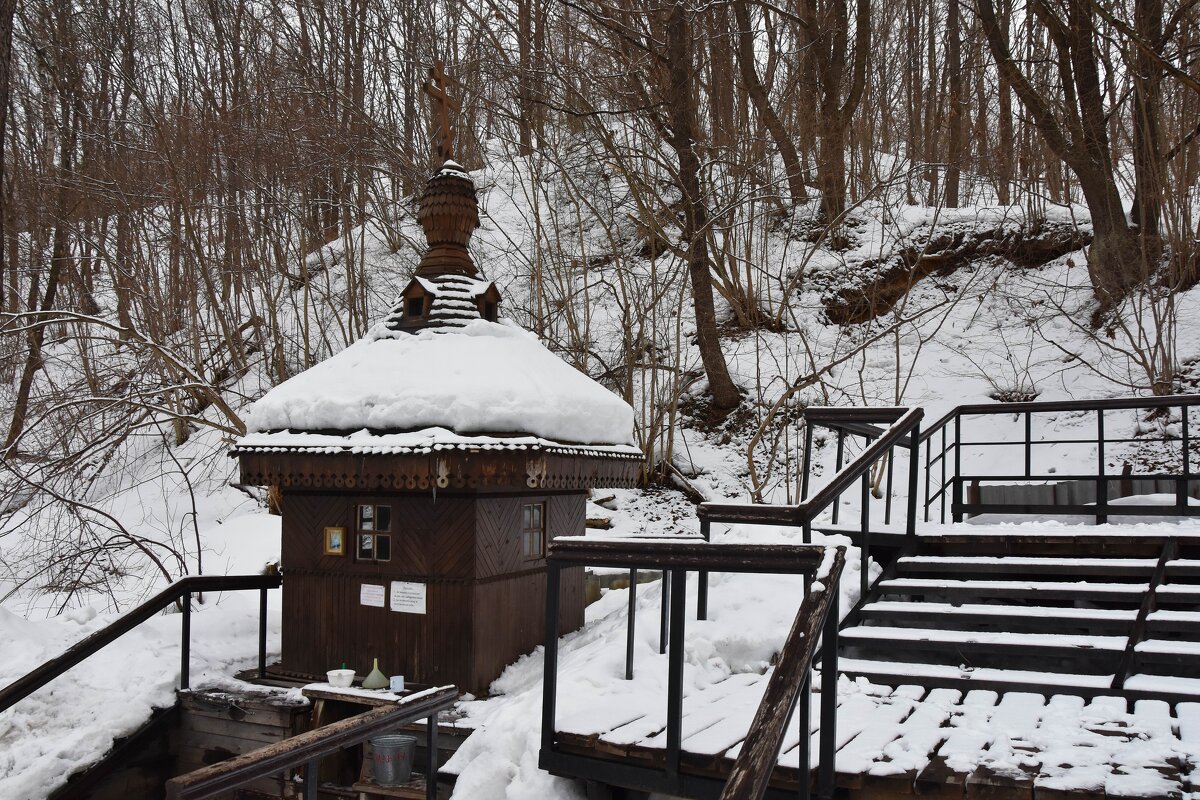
(445, 291)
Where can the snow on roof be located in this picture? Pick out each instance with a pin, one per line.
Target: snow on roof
(424, 441)
(483, 378)
(452, 167)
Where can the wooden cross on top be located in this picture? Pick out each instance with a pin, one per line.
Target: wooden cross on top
(443, 104)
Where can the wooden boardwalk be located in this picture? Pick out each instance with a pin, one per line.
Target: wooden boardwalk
(941, 742)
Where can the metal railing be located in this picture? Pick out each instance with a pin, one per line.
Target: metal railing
(945, 465)
(307, 749)
(786, 689)
(181, 592)
(903, 430)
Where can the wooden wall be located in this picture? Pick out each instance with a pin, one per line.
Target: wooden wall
(485, 601)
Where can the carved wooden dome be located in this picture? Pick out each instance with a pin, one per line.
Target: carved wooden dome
(449, 214)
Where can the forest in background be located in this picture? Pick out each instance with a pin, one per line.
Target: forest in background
(193, 190)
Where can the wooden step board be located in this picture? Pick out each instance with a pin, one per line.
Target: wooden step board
(968, 590)
(999, 616)
(1134, 569)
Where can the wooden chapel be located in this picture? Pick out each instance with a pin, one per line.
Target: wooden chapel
(423, 470)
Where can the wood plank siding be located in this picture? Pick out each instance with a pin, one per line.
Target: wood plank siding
(484, 598)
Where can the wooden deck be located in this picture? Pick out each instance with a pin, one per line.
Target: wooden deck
(912, 740)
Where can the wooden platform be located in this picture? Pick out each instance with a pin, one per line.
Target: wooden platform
(912, 740)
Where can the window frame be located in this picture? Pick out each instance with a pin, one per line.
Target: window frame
(533, 534)
(368, 539)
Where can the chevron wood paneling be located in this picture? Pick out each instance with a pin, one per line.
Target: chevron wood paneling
(485, 601)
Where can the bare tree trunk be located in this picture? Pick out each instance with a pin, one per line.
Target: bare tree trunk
(826, 27)
(1148, 160)
(955, 103)
(8, 10)
(683, 135)
(1079, 137)
(762, 104)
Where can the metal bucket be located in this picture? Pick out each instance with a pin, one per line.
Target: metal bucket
(392, 757)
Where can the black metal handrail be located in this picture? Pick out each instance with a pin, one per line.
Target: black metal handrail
(180, 590)
(786, 689)
(904, 429)
(307, 749)
(952, 477)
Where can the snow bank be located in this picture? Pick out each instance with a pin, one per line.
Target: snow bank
(72, 722)
(484, 378)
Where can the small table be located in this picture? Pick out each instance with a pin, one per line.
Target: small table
(321, 694)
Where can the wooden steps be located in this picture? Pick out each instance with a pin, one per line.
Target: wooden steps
(1072, 621)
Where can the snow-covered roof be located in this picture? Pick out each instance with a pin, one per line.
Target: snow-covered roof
(490, 380)
(454, 302)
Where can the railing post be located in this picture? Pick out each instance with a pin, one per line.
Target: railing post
(631, 624)
(262, 633)
(887, 495)
(550, 658)
(431, 748)
(702, 576)
(841, 452)
(942, 517)
(808, 439)
(311, 779)
(829, 687)
(678, 596)
(803, 714)
(185, 642)
(664, 611)
(1028, 444)
(914, 455)
(1101, 479)
(864, 558)
(928, 442)
(1184, 488)
(956, 501)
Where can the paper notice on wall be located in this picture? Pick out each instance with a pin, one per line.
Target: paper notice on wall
(371, 594)
(408, 597)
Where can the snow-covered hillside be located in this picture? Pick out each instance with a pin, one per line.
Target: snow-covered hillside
(74, 551)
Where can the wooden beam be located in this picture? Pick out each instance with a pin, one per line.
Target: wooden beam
(760, 750)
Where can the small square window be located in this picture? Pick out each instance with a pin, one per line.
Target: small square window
(374, 541)
(416, 307)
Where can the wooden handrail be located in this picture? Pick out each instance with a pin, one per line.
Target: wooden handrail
(760, 749)
(28, 684)
(666, 554)
(308, 747)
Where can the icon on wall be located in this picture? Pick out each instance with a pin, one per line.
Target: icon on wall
(335, 541)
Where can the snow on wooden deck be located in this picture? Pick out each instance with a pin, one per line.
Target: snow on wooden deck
(931, 739)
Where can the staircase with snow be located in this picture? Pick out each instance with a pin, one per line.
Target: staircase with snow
(980, 616)
(1078, 596)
